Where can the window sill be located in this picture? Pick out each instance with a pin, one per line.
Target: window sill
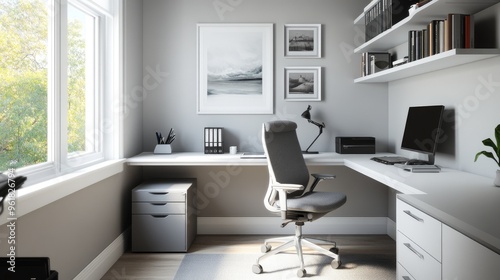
(39, 195)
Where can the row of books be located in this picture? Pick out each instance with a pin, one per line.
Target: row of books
(381, 15)
(374, 62)
(456, 31)
(213, 143)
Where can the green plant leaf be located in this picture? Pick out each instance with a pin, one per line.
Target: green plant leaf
(489, 143)
(486, 154)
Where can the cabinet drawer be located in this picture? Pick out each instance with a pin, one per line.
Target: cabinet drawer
(158, 208)
(402, 273)
(157, 196)
(420, 228)
(418, 263)
(159, 233)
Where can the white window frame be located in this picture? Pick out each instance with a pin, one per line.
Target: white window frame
(107, 77)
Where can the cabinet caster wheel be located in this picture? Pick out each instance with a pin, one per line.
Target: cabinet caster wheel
(265, 248)
(257, 269)
(334, 250)
(301, 273)
(336, 264)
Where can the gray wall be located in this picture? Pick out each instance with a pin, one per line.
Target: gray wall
(239, 191)
(170, 44)
(346, 108)
(72, 231)
(471, 95)
(75, 229)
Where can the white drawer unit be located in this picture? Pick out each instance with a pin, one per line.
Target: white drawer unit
(418, 263)
(420, 228)
(418, 244)
(164, 215)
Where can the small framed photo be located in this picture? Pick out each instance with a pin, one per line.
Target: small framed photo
(303, 40)
(303, 83)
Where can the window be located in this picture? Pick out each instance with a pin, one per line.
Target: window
(23, 83)
(53, 57)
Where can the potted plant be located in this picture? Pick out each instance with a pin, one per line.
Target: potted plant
(496, 152)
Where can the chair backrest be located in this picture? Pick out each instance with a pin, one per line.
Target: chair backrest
(284, 158)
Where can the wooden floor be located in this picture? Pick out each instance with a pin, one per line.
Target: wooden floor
(146, 266)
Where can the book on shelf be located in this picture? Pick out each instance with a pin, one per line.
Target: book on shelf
(456, 31)
(400, 61)
(381, 15)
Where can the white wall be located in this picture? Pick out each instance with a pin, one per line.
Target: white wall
(471, 95)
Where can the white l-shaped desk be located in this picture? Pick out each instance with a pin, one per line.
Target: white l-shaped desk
(466, 202)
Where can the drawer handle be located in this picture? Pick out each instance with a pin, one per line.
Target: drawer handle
(413, 216)
(408, 245)
(159, 216)
(406, 278)
(159, 204)
(158, 193)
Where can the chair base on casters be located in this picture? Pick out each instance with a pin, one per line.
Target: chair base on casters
(298, 241)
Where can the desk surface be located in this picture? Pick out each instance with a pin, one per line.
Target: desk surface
(466, 202)
(200, 159)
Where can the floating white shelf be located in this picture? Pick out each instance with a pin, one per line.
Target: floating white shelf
(436, 9)
(439, 61)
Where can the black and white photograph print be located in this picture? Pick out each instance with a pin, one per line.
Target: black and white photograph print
(303, 40)
(303, 83)
(235, 69)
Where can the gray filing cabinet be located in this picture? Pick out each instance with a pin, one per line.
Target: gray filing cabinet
(164, 215)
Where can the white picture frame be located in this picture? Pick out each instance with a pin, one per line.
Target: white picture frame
(302, 83)
(235, 68)
(303, 40)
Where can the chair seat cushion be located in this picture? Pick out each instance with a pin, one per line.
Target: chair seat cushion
(317, 202)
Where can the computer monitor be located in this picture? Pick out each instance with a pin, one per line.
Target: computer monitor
(422, 130)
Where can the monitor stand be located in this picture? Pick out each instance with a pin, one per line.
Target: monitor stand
(430, 161)
(417, 162)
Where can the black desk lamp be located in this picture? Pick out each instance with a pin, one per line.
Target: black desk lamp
(307, 115)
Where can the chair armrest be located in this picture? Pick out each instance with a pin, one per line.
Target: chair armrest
(318, 178)
(288, 187)
(283, 189)
(323, 176)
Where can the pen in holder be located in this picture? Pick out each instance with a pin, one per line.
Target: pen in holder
(163, 149)
(163, 143)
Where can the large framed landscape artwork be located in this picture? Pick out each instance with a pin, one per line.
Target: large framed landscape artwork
(235, 68)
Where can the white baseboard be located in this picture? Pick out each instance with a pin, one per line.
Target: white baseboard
(106, 259)
(271, 225)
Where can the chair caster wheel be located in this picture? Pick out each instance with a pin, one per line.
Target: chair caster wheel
(265, 248)
(257, 269)
(301, 273)
(334, 250)
(336, 264)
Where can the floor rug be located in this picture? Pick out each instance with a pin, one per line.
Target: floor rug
(284, 266)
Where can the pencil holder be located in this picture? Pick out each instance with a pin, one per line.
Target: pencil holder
(163, 149)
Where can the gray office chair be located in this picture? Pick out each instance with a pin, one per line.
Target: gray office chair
(287, 193)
